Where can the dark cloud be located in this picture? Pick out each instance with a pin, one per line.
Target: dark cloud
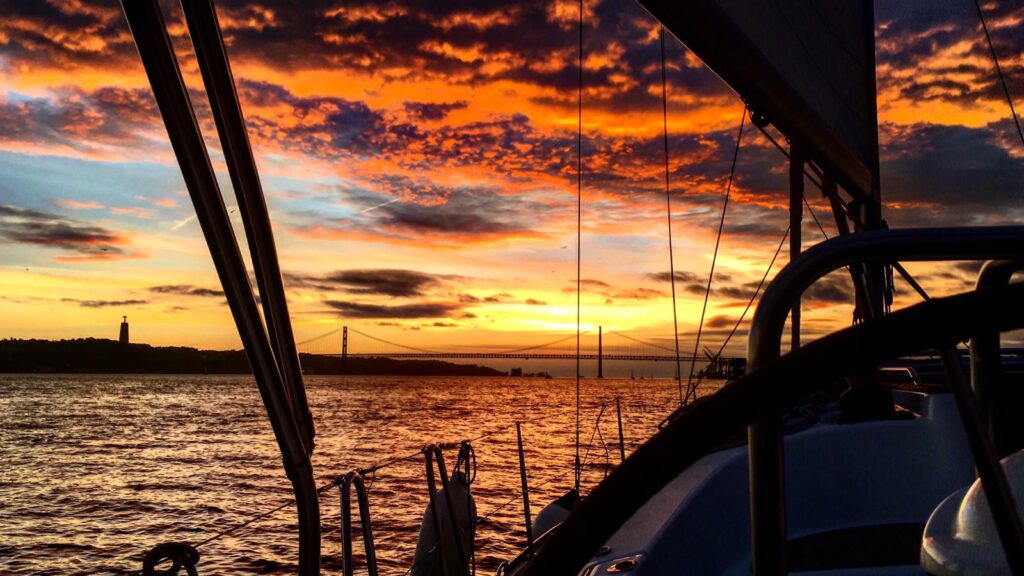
(26, 226)
(407, 208)
(66, 34)
(530, 42)
(720, 322)
(912, 36)
(382, 281)
(681, 276)
(535, 302)
(103, 303)
(431, 111)
(944, 173)
(835, 288)
(444, 219)
(498, 298)
(359, 310)
(325, 127)
(743, 292)
(82, 120)
(638, 294)
(696, 288)
(187, 290)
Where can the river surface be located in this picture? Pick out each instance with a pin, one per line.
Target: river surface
(95, 470)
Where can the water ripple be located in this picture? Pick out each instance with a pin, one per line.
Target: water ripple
(95, 470)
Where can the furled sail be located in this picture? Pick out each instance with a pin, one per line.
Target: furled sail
(807, 66)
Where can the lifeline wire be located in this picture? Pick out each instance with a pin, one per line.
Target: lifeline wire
(323, 488)
(668, 209)
(690, 388)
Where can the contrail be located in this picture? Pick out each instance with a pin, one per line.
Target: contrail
(183, 222)
(371, 208)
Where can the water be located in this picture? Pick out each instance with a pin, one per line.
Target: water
(95, 470)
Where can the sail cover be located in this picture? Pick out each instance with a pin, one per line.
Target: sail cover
(806, 65)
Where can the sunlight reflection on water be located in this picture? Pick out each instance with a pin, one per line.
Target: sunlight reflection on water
(95, 470)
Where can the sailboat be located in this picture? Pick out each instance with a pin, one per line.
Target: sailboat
(908, 480)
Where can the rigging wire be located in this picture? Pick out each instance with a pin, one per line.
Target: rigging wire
(815, 217)
(750, 303)
(714, 257)
(597, 428)
(668, 210)
(579, 239)
(780, 148)
(999, 70)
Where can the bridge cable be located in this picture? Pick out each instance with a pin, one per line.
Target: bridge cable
(314, 339)
(639, 341)
(668, 210)
(545, 345)
(579, 238)
(999, 70)
(714, 257)
(381, 340)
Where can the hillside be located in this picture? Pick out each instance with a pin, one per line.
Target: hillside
(99, 356)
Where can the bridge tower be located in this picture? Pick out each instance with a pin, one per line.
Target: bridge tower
(344, 349)
(600, 352)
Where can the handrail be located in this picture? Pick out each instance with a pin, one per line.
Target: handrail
(712, 419)
(767, 485)
(204, 29)
(906, 244)
(345, 484)
(154, 45)
(986, 365)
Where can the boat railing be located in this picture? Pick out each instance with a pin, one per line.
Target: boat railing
(987, 380)
(345, 485)
(767, 482)
(776, 381)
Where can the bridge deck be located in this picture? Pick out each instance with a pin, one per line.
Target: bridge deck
(522, 356)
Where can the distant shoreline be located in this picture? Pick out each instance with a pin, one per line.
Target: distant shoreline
(102, 356)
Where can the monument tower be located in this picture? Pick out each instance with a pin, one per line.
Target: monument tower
(123, 339)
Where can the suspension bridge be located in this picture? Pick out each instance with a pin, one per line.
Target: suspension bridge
(347, 342)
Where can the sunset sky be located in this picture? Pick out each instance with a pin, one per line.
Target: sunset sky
(419, 163)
